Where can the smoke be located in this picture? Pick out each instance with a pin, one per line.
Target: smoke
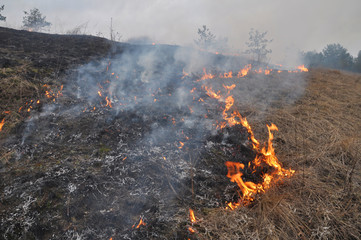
(306, 25)
(141, 116)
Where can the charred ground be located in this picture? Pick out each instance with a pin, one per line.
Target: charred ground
(70, 171)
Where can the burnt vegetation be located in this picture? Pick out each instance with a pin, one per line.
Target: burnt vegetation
(78, 161)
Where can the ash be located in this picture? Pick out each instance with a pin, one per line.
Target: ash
(82, 168)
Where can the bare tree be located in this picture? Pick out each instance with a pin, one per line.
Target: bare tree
(205, 38)
(34, 20)
(257, 46)
(2, 18)
(114, 36)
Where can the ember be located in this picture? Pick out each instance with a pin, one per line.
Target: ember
(141, 223)
(2, 124)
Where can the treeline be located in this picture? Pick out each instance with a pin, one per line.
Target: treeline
(333, 56)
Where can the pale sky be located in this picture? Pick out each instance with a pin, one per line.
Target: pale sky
(293, 25)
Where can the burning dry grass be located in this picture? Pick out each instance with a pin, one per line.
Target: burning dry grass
(319, 137)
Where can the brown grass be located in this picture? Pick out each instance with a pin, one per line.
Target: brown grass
(319, 137)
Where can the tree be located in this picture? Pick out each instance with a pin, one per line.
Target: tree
(357, 64)
(336, 56)
(313, 59)
(257, 46)
(34, 20)
(205, 38)
(2, 18)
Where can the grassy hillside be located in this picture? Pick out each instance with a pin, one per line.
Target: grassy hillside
(320, 137)
(68, 171)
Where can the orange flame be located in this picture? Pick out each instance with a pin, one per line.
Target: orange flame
(206, 75)
(265, 156)
(109, 103)
(244, 71)
(181, 145)
(141, 223)
(302, 68)
(229, 88)
(191, 216)
(2, 124)
(268, 157)
(211, 93)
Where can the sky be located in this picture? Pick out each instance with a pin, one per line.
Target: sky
(292, 25)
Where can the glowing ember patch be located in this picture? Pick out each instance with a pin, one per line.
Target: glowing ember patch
(141, 223)
(124, 158)
(181, 145)
(191, 230)
(2, 124)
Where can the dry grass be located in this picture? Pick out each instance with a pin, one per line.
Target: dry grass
(319, 137)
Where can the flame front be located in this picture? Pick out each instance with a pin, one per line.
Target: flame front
(265, 163)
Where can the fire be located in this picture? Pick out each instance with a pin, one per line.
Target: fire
(244, 71)
(265, 156)
(229, 88)
(193, 220)
(211, 93)
(302, 68)
(227, 75)
(206, 75)
(109, 103)
(181, 145)
(2, 124)
(265, 163)
(191, 216)
(141, 223)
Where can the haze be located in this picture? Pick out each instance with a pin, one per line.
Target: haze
(293, 25)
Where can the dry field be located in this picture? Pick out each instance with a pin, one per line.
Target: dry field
(321, 137)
